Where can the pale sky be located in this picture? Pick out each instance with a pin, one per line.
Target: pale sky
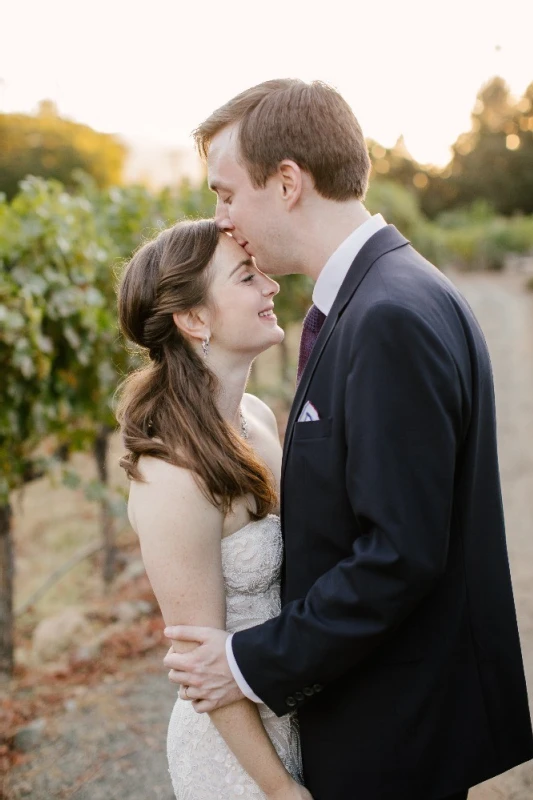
(156, 69)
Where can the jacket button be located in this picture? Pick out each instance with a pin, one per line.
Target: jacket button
(290, 701)
(309, 691)
(299, 696)
(317, 687)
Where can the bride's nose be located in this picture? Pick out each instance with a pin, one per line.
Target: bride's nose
(271, 287)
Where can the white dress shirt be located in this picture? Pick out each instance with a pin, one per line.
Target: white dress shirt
(326, 290)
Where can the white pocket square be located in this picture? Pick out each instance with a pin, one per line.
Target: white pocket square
(309, 413)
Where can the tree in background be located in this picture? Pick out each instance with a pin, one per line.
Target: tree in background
(491, 162)
(58, 351)
(61, 354)
(398, 205)
(49, 146)
(396, 164)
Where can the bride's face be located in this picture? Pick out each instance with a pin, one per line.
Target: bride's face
(242, 318)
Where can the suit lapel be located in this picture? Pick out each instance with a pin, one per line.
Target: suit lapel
(382, 242)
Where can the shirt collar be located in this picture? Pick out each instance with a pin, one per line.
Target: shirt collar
(336, 268)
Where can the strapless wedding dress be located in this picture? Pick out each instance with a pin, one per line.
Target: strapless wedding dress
(201, 765)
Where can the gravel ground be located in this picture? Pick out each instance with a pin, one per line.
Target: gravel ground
(108, 745)
(505, 312)
(111, 744)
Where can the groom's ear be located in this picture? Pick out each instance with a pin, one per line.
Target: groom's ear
(291, 182)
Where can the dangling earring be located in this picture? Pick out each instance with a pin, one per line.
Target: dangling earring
(205, 347)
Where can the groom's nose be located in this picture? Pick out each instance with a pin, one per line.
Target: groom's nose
(222, 218)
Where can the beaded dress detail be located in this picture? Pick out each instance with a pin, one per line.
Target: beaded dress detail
(201, 765)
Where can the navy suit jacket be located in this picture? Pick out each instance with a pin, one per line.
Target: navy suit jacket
(397, 642)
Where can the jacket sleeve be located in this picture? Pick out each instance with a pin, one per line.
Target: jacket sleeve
(403, 426)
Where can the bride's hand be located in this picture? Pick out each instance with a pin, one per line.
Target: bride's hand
(293, 791)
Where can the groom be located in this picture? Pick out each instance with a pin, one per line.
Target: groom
(397, 642)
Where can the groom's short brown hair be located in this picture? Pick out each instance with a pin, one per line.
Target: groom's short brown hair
(309, 123)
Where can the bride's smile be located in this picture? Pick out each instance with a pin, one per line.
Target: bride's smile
(242, 318)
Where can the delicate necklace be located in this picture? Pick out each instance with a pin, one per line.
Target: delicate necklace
(244, 425)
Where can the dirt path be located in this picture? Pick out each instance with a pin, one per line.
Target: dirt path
(110, 745)
(505, 313)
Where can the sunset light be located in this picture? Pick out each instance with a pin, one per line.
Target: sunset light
(152, 72)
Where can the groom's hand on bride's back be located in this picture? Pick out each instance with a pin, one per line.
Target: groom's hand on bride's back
(203, 674)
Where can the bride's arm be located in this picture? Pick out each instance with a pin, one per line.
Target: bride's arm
(180, 534)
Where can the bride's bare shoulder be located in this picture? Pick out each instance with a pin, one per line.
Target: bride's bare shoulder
(164, 487)
(154, 471)
(258, 410)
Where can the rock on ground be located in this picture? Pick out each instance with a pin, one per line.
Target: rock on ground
(54, 635)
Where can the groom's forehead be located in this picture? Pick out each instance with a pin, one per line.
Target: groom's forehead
(223, 149)
(218, 178)
(223, 166)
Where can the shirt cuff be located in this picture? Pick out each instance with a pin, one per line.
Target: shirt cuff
(237, 674)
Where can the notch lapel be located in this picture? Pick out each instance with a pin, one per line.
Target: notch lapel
(382, 242)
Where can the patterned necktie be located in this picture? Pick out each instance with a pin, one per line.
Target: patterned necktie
(314, 319)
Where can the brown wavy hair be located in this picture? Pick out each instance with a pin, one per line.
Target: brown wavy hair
(167, 409)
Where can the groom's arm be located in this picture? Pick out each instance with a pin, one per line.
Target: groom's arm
(404, 412)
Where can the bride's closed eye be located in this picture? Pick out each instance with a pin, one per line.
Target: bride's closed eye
(248, 279)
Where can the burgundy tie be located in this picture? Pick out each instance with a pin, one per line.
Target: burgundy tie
(314, 319)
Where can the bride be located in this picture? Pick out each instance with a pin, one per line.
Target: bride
(204, 461)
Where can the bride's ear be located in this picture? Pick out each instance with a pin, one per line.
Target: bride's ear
(193, 324)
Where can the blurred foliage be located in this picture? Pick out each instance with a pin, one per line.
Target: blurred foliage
(294, 298)
(477, 238)
(399, 206)
(396, 165)
(473, 237)
(61, 354)
(493, 161)
(49, 146)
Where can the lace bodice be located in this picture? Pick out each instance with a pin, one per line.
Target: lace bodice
(201, 765)
(251, 565)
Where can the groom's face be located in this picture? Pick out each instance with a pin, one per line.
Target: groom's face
(255, 217)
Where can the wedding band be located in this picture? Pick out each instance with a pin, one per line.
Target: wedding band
(185, 691)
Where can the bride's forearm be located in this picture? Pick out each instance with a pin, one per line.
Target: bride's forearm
(242, 729)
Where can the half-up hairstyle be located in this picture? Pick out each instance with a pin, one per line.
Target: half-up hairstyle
(167, 409)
